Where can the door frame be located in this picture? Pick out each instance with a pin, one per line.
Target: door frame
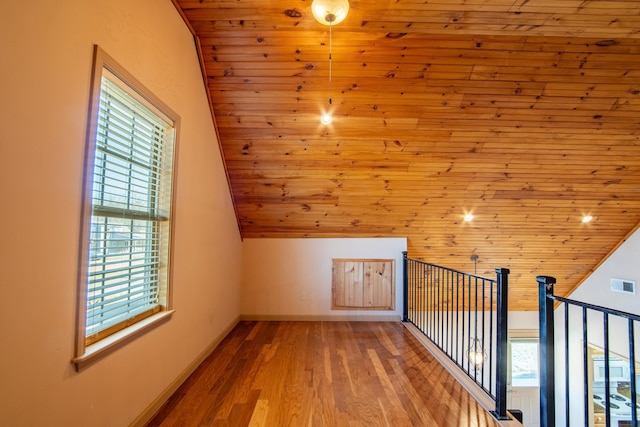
(525, 335)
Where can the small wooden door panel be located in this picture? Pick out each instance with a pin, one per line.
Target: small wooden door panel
(363, 284)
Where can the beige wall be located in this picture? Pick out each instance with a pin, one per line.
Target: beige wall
(45, 67)
(291, 278)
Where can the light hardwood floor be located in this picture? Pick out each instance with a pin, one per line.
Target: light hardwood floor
(321, 374)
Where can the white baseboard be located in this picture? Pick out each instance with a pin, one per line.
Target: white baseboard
(149, 412)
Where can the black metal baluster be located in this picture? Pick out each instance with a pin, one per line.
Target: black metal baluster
(632, 375)
(416, 296)
(405, 288)
(461, 315)
(457, 315)
(422, 290)
(585, 362)
(418, 290)
(491, 383)
(420, 296)
(445, 341)
(440, 302)
(566, 363)
(482, 345)
(468, 344)
(475, 326)
(431, 306)
(607, 380)
(415, 289)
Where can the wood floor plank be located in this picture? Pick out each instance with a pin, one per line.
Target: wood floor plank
(259, 414)
(321, 374)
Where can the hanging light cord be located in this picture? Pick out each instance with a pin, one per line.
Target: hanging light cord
(330, 61)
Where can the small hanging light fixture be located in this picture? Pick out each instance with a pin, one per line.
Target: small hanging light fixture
(474, 258)
(329, 12)
(476, 354)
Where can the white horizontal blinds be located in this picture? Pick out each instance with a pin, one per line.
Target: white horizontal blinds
(130, 193)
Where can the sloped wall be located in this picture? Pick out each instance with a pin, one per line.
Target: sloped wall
(624, 263)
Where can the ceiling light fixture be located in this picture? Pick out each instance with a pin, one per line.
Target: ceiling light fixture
(586, 219)
(329, 12)
(468, 217)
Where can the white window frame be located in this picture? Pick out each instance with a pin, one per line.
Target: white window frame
(151, 211)
(524, 336)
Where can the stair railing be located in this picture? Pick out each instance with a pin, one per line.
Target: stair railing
(579, 344)
(465, 316)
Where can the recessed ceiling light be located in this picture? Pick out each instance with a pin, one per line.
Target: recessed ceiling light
(325, 119)
(586, 219)
(468, 217)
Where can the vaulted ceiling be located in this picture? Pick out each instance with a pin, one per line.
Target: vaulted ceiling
(525, 113)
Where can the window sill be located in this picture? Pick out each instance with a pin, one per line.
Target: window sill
(102, 348)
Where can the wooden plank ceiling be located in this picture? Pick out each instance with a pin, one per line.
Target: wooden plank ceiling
(525, 113)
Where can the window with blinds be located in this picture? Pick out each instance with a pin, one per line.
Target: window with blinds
(130, 186)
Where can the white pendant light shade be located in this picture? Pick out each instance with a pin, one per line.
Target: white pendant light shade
(330, 12)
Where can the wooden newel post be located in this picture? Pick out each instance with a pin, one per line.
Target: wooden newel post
(405, 287)
(547, 373)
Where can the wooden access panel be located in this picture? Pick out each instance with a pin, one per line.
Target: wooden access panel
(363, 284)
